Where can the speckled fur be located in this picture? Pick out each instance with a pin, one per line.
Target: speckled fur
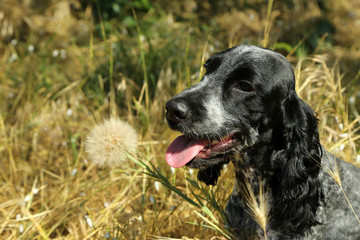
(337, 220)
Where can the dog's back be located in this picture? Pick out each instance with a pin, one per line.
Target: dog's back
(339, 216)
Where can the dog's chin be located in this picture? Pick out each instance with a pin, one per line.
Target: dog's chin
(209, 168)
(203, 163)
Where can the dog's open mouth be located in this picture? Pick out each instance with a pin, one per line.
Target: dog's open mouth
(184, 149)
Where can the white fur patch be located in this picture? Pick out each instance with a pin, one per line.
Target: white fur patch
(216, 116)
(215, 111)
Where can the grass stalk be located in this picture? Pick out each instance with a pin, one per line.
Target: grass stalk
(257, 205)
(151, 171)
(36, 223)
(109, 50)
(335, 174)
(113, 108)
(268, 23)
(9, 148)
(187, 68)
(143, 63)
(202, 68)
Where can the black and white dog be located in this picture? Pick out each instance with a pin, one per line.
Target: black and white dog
(245, 110)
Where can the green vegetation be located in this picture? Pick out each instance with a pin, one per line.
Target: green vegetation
(67, 65)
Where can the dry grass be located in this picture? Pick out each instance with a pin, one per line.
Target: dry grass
(258, 204)
(60, 76)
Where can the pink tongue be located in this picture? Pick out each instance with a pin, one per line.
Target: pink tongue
(182, 150)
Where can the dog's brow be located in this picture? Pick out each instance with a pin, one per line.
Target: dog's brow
(212, 64)
(243, 71)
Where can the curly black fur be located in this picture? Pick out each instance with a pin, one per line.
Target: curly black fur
(296, 167)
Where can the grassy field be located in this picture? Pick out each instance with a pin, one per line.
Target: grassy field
(65, 66)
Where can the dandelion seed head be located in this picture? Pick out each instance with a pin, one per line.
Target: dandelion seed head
(14, 42)
(13, 57)
(107, 234)
(55, 53)
(344, 135)
(31, 48)
(124, 31)
(342, 147)
(142, 38)
(157, 186)
(63, 54)
(27, 198)
(211, 48)
(73, 172)
(352, 100)
(89, 221)
(152, 199)
(69, 112)
(35, 191)
(251, 17)
(110, 142)
(21, 228)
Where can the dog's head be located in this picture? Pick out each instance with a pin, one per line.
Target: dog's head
(245, 97)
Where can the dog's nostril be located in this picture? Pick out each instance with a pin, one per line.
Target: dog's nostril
(176, 111)
(182, 111)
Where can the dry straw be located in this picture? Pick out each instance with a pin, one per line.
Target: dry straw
(257, 205)
(110, 142)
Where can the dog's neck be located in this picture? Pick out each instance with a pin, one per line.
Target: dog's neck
(253, 168)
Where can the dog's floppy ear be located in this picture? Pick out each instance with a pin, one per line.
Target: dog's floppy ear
(297, 163)
(210, 174)
(300, 129)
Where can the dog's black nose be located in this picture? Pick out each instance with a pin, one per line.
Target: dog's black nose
(176, 111)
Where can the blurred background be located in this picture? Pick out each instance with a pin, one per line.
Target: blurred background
(65, 65)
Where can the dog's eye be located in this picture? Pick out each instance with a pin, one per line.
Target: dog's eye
(245, 86)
